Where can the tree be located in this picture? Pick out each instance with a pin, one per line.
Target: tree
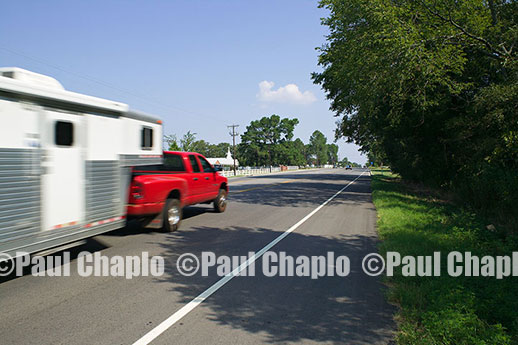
(290, 153)
(344, 162)
(187, 142)
(318, 147)
(171, 142)
(332, 154)
(261, 143)
(218, 150)
(205, 148)
(201, 146)
(310, 158)
(429, 87)
(300, 157)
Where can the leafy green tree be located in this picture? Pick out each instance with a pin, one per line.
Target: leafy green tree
(310, 158)
(300, 156)
(261, 143)
(218, 150)
(344, 162)
(429, 88)
(332, 154)
(318, 147)
(201, 146)
(290, 153)
(171, 142)
(188, 141)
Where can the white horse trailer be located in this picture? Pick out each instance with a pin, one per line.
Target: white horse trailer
(65, 161)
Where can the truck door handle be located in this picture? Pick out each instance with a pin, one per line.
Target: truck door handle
(206, 178)
(195, 179)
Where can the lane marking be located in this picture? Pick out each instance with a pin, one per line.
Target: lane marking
(186, 309)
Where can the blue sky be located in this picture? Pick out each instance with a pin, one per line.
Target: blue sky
(199, 65)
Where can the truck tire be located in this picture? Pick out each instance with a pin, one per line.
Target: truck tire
(172, 215)
(220, 203)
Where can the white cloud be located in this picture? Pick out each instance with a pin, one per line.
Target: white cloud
(284, 94)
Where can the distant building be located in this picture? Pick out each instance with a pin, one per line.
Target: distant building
(226, 161)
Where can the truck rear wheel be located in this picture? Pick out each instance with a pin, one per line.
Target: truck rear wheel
(220, 203)
(172, 215)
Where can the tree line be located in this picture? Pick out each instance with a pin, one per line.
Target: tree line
(431, 89)
(266, 142)
(269, 141)
(189, 143)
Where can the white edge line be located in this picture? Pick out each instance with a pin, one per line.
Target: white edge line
(171, 320)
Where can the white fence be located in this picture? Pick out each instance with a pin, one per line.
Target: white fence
(250, 172)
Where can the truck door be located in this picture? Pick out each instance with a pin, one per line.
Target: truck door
(196, 184)
(63, 170)
(210, 187)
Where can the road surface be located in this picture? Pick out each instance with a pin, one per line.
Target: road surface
(246, 310)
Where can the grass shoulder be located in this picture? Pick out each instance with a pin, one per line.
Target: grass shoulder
(445, 309)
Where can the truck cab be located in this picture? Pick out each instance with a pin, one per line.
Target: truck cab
(159, 192)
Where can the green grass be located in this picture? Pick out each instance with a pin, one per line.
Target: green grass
(443, 310)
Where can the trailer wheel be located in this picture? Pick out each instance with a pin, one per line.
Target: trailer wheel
(172, 215)
(220, 203)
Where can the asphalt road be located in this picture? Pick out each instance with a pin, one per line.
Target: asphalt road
(246, 310)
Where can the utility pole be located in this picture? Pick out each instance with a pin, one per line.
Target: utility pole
(234, 134)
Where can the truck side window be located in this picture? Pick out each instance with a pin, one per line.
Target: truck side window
(64, 133)
(173, 163)
(205, 165)
(147, 138)
(194, 164)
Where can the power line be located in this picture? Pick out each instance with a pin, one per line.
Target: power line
(145, 98)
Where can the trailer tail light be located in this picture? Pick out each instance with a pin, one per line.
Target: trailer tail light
(137, 190)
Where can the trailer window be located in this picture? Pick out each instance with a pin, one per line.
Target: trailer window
(147, 138)
(64, 133)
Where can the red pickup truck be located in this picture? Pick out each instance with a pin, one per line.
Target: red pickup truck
(159, 192)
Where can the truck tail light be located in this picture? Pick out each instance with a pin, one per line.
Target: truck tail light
(137, 190)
